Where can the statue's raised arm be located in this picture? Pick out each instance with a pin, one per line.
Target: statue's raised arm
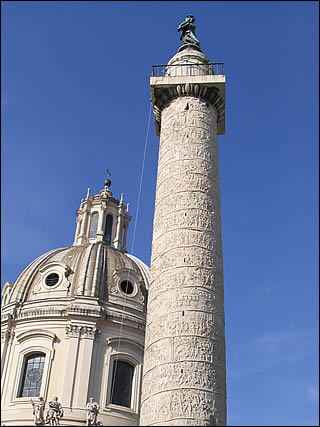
(187, 28)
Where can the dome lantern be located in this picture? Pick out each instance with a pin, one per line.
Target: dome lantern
(103, 218)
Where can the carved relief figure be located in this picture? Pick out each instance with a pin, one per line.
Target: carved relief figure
(92, 412)
(38, 411)
(54, 413)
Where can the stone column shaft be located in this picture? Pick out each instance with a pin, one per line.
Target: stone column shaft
(84, 229)
(77, 231)
(70, 370)
(83, 373)
(7, 338)
(184, 363)
(100, 232)
(117, 240)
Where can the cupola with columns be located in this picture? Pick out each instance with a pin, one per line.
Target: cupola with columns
(103, 218)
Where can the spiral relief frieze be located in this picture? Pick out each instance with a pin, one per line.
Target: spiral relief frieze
(191, 276)
(184, 364)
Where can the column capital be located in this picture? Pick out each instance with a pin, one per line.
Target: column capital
(79, 331)
(209, 88)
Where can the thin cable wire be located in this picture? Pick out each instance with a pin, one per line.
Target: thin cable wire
(141, 178)
(115, 363)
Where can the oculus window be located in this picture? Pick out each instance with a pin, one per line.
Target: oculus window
(126, 287)
(32, 375)
(122, 377)
(52, 279)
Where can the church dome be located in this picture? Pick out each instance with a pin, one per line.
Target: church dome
(97, 265)
(73, 323)
(91, 270)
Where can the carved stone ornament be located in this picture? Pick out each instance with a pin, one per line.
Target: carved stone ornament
(54, 413)
(38, 412)
(78, 331)
(59, 268)
(207, 94)
(92, 410)
(126, 274)
(184, 357)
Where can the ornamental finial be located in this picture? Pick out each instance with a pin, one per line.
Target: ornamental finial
(107, 182)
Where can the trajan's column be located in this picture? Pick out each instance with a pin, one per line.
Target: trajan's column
(184, 373)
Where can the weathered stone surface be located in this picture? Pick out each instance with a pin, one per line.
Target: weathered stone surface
(182, 407)
(195, 275)
(186, 374)
(189, 323)
(184, 362)
(188, 298)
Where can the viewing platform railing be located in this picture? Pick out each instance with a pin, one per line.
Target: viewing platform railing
(175, 70)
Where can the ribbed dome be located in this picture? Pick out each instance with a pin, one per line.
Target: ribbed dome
(91, 270)
(78, 309)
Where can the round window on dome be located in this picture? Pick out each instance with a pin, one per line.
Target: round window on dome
(127, 287)
(52, 279)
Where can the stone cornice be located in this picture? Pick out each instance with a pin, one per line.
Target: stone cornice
(115, 341)
(63, 310)
(118, 317)
(104, 196)
(71, 310)
(37, 312)
(83, 310)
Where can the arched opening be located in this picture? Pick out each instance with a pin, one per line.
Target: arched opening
(122, 378)
(123, 236)
(108, 230)
(32, 375)
(93, 225)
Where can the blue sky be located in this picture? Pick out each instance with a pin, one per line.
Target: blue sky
(75, 101)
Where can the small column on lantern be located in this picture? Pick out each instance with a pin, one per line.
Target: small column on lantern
(83, 235)
(117, 240)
